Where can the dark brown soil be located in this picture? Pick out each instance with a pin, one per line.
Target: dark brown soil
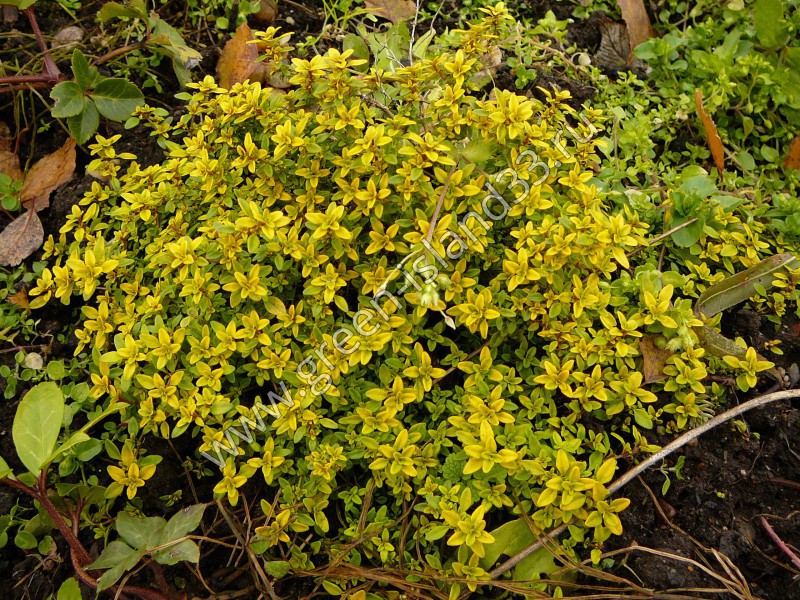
(730, 479)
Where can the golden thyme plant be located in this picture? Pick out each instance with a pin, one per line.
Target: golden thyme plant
(409, 290)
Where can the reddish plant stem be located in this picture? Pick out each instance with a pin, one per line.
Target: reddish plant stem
(74, 544)
(27, 86)
(22, 79)
(51, 76)
(49, 64)
(780, 543)
(80, 557)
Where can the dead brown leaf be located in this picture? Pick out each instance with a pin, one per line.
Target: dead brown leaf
(20, 298)
(654, 358)
(23, 236)
(46, 175)
(792, 160)
(5, 136)
(9, 165)
(238, 59)
(635, 17)
(712, 135)
(615, 46)
(394, 10)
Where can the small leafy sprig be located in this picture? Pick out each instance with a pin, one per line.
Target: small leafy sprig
(89, 95)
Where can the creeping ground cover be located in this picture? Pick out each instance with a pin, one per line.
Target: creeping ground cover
(405, 321)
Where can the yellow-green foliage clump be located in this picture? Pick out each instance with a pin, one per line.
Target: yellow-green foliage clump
(361, 257)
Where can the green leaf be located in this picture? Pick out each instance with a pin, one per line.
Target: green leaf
(277, 568)
(437, 533)
(20, 4)
(118, 557)
(69, 98)
(69, 590)
(5, 470)
(642, 418)
(186, 550)
(85, 76)
(737, 288)
(142, 533)
(83, 126)
(116, 98)
(55, 370)
(479, 151)
(37, 423)
(420, 47)
(731, 291)
(182, 522)
(25, 540)
(509, 539)
(173, 44)
(359, 47)
(689, 235)
(332, 588)
(700, 185)
(770, 26)
(541, 562)
(76, 438)
(115, 10)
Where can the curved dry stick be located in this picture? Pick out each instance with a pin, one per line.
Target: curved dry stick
(652, 460)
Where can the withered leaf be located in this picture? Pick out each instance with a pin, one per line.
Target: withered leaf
(792, 160)
(635, 17)
(9, 165)
(5, 136)
(712, 135)
(46, 175)
(23, 236)
(615, 46)
(394, 10)
(19, 298)
(238, 59)
(654, 359)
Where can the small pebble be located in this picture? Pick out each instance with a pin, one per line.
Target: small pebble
(68, 37)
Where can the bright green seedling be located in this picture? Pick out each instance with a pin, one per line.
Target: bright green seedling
(90, 95)
(164, 541)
